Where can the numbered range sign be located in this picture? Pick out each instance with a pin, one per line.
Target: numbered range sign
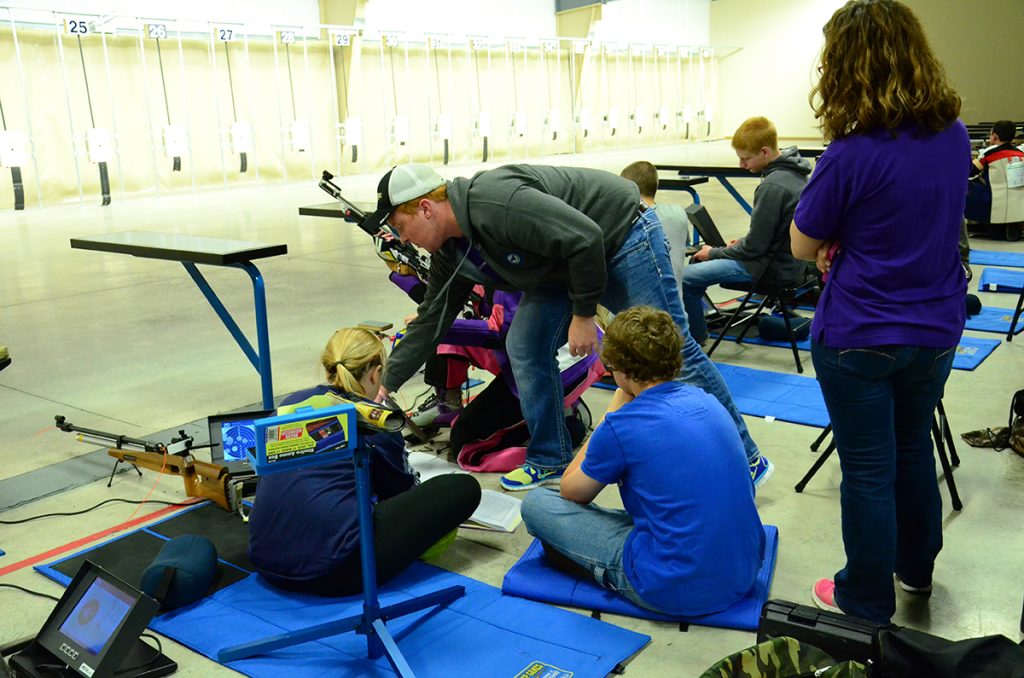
(156, 31)
(224, 34)
(75, 25)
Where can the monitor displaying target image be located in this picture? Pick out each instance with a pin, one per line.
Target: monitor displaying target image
(232, 435)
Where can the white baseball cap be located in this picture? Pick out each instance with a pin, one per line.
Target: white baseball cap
(401, 184)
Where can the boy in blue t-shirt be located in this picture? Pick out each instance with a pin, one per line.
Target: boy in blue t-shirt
(690, 541)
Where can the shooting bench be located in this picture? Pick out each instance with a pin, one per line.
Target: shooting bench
(191, 250)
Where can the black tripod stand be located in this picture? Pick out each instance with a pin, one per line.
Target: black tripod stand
(940, 433)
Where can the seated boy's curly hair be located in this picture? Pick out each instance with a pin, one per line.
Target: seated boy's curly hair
(643, 344)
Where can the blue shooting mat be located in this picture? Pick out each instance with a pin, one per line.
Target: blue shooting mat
(532, 577)
(483, 633)
(993, 258)
(789, 397)
(971, 352)
(1000, 280)
(993, 319)
(804, 345)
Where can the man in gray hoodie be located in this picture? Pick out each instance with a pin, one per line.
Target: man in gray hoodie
(766, 244)
(569, 239)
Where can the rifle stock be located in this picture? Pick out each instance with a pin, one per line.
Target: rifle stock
(202, 479)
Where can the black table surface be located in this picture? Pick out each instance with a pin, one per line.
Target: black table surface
(332, 210)
(681, 183)
(176, 247)
(708, 171)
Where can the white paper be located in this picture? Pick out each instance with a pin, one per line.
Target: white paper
(498, 511)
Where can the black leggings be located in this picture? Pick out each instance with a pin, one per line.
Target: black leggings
(404, 527)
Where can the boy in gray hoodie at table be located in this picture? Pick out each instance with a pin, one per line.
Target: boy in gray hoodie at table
(766, 244)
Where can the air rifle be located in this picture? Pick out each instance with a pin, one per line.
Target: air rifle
(393, 251)
(202, 479)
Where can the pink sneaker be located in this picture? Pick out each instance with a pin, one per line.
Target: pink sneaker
(824, 594)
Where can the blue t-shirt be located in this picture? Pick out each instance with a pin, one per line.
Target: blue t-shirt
(896, 206)
(304, 523)
(697, 540)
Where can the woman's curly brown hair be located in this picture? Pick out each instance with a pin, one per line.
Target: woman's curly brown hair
(878, 71)
(644, 344)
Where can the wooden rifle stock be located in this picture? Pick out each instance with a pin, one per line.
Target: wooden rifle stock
(202, 479)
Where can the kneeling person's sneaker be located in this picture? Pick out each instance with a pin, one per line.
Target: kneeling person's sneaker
(528, 476)
(761, 470)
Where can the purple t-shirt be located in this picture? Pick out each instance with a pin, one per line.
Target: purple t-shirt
(895, 205)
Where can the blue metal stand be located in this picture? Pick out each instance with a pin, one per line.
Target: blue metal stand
(260, 358)
(372, 621)
(735, 194)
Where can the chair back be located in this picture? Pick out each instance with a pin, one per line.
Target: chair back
(1004, 177)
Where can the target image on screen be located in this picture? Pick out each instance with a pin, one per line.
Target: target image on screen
(237, 437)
(97, 616)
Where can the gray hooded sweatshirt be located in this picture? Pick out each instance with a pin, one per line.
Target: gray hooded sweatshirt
(531, 225)
(774, 203)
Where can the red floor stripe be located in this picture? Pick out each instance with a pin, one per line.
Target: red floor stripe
(92, 537)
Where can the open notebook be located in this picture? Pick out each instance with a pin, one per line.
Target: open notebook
(498, 511)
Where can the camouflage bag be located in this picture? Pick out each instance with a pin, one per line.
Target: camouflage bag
(783, 657)
(1011, 435)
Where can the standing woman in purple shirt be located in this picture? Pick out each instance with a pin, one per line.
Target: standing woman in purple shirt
(881, 214)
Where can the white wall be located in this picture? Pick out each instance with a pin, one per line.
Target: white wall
(526, 18)
(293, 12)
(679, 22)
(772, 72)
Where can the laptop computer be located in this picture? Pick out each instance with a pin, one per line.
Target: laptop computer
(231, 436)
(701, 220)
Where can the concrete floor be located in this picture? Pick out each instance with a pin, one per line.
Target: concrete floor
(129, 345)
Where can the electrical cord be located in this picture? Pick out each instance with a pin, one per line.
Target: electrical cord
(92, 508)
(29, 591)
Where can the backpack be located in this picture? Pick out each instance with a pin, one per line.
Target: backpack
(1016, 424)
(999, 438)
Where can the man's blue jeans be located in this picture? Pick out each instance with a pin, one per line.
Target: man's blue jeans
(881, 402)
(591, 536)
(697, 278)
(639, 273)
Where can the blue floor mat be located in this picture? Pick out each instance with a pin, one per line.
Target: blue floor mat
(1000, 280)
(971, 352)
(993, 258)
(993, 319)
(532, 577)
(789, 397)
(804, 345)
(483, 633)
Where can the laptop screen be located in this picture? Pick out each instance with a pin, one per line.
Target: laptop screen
(705, 225)
(232, 435)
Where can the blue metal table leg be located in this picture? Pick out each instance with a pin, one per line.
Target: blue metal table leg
(735, 194)
(260, 361)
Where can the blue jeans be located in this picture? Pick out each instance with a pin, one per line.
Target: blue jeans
(591, 536)
(697, 278)
(639, 273)
(882, 402)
